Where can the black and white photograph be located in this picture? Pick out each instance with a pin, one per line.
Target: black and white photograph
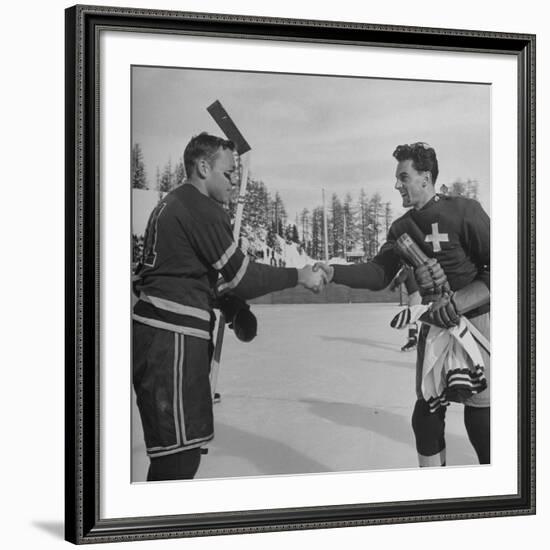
(310, 273)
(300, 274)
(270, 274)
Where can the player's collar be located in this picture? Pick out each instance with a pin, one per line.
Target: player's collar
(433, 200)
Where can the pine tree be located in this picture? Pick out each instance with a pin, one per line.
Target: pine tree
(351, 225)
(457, 189)
(364, 222)
(278, 215)
(387, 216)
(157, 182)
(256, 205)
(375, 225)
(167, 178)
(291, 234)
(179, 173)
(288, 233)
(139, 177)
(271, 241)
(472, 188)
(317, 248)
(305, 227)
(280, 229)
(336, 244)
(295, 238)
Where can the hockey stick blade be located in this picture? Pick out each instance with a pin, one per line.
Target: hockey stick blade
(223, 120)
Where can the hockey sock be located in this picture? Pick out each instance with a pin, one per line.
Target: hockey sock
(429, 432)
(182, 465)
(478, 425)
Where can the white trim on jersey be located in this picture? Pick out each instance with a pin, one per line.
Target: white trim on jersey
(237, 279)
(179, 449)
(174, 307)
(218, 266)
(174, 328)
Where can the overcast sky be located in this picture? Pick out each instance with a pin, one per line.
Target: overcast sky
(314, 132)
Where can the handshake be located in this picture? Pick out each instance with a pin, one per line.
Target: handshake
(315, 277)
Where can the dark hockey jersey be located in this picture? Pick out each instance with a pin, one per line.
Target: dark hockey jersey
(454, 230)
(188, 243)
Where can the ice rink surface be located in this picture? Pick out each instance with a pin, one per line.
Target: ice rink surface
(322, 388)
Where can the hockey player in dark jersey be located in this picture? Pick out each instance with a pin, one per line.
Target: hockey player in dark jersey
(188, 244)
(454, 233)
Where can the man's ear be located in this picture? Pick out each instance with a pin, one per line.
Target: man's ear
(202, 167)
(427, 177)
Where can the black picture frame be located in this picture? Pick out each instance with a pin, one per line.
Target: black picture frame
(83, 524)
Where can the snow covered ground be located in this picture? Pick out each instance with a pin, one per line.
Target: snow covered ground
(323, 387)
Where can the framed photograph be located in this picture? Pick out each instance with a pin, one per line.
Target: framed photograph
(326, 202)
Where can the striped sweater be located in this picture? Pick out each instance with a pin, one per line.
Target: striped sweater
(188, 244)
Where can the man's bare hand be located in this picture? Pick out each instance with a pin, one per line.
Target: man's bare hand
(312, 279)
(327, 269)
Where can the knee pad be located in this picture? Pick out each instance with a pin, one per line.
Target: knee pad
(429, 432)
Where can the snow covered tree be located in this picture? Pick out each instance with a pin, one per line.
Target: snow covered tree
(291, 234)
(305, 224)
(375, 215)
(139, 177)
(179, 173)
(317, 249)
(336, 244)
(364, 222)
(166, 183)
(278, 215)
(352, 230)
(468, 188)
(295, 237)
(256, 205)
(387, 216)
(472, 188)
(457, 189)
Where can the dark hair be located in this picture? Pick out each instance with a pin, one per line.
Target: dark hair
(422, 155)
(203, 146)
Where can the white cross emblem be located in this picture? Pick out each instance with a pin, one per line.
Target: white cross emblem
(436, 237)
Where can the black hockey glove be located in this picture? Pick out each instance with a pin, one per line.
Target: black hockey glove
(239, 317)
(443, 312)
(430, 277)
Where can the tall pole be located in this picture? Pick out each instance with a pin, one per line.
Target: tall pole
(376, 227)
(325, 226)
(276, 215)
(345, 240)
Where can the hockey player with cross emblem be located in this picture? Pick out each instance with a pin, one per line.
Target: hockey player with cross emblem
(446, 239)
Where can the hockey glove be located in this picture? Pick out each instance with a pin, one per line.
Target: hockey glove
(443, 312)
(430, 277)
(239, 317)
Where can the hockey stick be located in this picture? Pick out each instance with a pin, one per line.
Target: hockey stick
(223, 120)
(410, 250)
